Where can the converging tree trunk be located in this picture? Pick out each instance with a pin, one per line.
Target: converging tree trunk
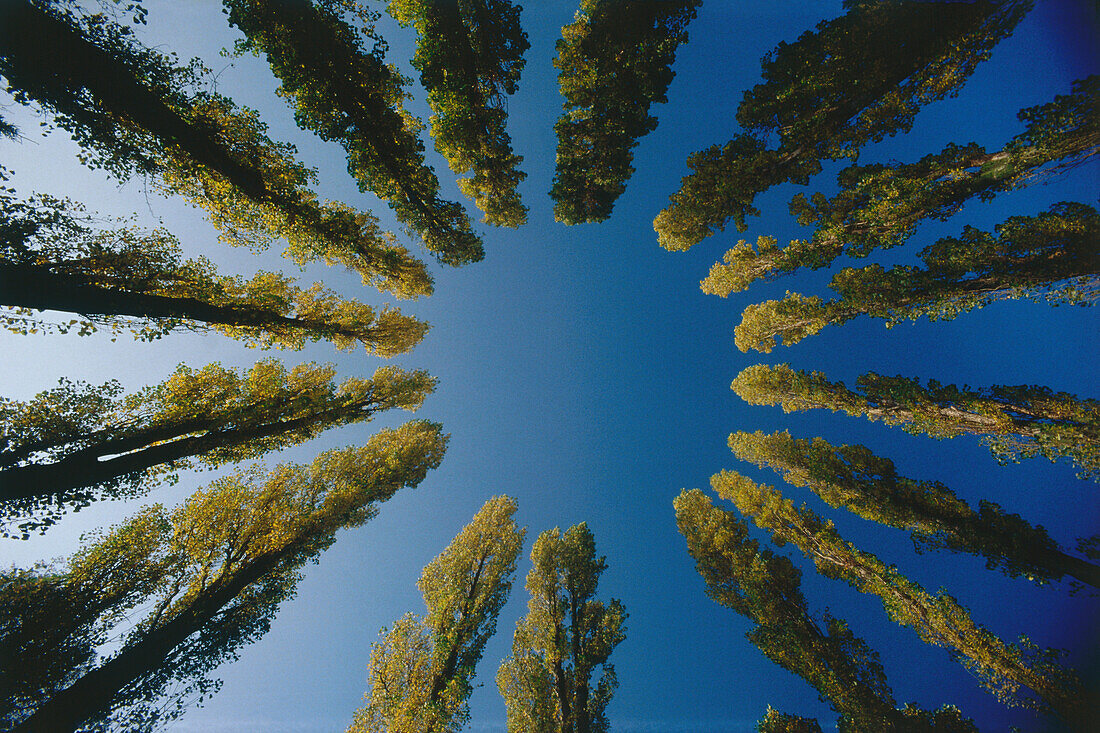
(213, 416)
(421, 672)
(567, 633)
(224, 561)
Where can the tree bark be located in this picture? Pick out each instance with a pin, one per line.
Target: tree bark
(37, 288)
(86, 467)
(1084, 571)
(95, 693)
(447, 671)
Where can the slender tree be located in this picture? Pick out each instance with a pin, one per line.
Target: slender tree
(854, 478)
(855, 80)
(765, 588)
(1004, 669)
(346, 93)
(880, 205)
(74, 443)
(470, 54)
(202, 582)
(614, 61)
(136, 111)
(1014, 422)
(421, 672)
(55, 619)
(566, 634)
(129, 279)
(1052, 257)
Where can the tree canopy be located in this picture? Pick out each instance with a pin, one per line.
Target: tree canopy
(852, 477)
(125, 278)
(880, 205)
(134, 110)
(614, 61)
(777, 722)
(855, 80)
(470, 54)
(765, 587)
(185, 590)
(346, 93)
(1014, 421)
(1052, 257)
(76, 442)
(1003, 668)
(421, 672)
(566, 634)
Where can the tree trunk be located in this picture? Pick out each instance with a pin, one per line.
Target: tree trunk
(33, 287)
(39, 49)
(94, 694)
(86, 468)
(447, 671)
(985, 649)
(1083, 570)
(561, 684)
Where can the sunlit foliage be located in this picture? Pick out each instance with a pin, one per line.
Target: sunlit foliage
(129, 279)
(470, 54)
(765, 587)
(777, 722)
(1015, 422)
(136, 111)
(879, 206)
(1006, 670)
(854, 478)
(1052, 258)
(614, 61)
(345, 92)
(127, 632)
(566, 634)
(76, 442)
(855, 80)
(421, 673)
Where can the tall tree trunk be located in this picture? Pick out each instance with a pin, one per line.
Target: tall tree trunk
(37, 47)
(580, 671)
(37, 288)
(1002, 663)
(1083, 570)
(561, 684)
(94, 693)
(86, 468)
(447, 671)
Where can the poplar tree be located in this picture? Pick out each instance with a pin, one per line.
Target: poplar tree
(566, 635)
(879, 206)
(614, 61)
(346, 93)
(470, 54)
(75, 443)
(856, 79)
(135, 111)
(125, 278)
(185, 590)
(1014, 422)
(854, 478)
(1052, 257)
(1002, 668)
(421, 672)
(765, 588)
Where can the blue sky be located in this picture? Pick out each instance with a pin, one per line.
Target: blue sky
(583, 372)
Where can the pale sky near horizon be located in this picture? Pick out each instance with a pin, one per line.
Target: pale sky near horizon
(583, 372)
